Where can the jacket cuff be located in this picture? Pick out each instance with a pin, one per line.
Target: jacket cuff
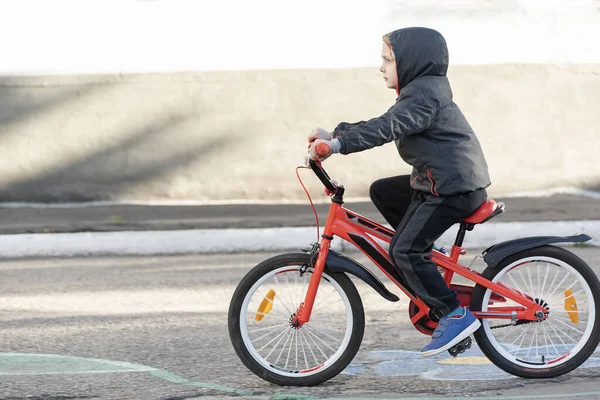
(336, 146)
(342, 145)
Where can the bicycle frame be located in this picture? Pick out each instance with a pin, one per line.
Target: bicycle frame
(360, 231)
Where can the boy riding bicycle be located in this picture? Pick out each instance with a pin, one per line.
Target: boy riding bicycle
(449, 174)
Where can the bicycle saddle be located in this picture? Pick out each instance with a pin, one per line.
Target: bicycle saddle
(488, 210)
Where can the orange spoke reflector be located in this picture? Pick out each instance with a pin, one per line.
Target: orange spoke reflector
(571, 306)
(265, 306)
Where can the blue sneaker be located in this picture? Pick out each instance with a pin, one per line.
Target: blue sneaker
(450, 332)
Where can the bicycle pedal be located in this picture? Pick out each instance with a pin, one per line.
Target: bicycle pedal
(460, 347)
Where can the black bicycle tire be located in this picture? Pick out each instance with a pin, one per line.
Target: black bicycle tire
(238, 343)
(490, 351)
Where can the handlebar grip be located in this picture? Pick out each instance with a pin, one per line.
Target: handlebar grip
(322, 149)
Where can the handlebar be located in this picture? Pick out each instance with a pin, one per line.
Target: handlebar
(321, 174)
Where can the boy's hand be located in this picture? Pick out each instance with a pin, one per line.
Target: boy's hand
(323, 149)
(319, 133)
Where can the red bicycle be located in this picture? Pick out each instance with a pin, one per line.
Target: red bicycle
(297, 318)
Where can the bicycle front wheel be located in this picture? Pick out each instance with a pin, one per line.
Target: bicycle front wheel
(260, 315)
(569, 290)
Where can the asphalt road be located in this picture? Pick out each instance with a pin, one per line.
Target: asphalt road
(156, 328)
(86, 218)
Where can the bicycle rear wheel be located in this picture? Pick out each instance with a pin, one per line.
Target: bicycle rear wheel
(260, 329)
(569, 290)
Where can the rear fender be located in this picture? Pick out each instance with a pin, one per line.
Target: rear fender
(494, 254)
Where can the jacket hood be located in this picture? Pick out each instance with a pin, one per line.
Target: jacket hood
(418, 52)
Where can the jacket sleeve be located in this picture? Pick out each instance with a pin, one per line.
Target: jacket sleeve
(344, 126)
(412, 114)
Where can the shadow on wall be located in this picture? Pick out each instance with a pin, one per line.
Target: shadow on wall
(19, 100)
(130, 160)
(104, 174)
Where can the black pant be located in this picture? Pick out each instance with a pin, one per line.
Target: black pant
(420, 219)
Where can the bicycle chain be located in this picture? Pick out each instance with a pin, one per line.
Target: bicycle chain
(517, 323)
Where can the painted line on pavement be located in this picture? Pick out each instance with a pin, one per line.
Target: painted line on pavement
(171, 377)
(243, 240)
(12, 364)
(55, 364)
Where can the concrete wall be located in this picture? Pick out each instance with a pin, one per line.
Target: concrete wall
(96, 103)
(240, 134)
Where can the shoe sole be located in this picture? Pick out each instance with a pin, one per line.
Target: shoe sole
(463, 335)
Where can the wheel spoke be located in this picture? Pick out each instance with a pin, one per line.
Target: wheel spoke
(287, 360)
(265, 328)
(538, 280)
(553, 280)
(530, 282)
(313, 337)
(269, 333)
(561, 301)
(524, 334)
(561, 331)
(565, 312)
(290, 292)
(515, 283)
(274, 311)
(303, 351)
(567, 319)
(320, 316)
(322, 333)
(544, 284)
(569, 326)
(318, 348)
(296, 338)
(536, 339)
(560, 295)
(281, 298)
(330, 329)
(268, 315)
(561, 318)
(285, 345)
(335, 321)
(328, 305)
(323, 298)
(296, 285)
(557, 286)
(272, 340)
(276, 344)
(557, 335)
(518, 269)
(531, 344)
(551, 342)
(506, 335)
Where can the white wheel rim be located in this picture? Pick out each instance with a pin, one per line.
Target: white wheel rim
(554, 337)
(295, 342)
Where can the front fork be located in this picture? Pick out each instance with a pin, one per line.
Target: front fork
(304, 310)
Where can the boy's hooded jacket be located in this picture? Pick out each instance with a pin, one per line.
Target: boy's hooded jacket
(430, 131)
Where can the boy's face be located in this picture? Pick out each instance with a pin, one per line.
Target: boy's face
(388, 67)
